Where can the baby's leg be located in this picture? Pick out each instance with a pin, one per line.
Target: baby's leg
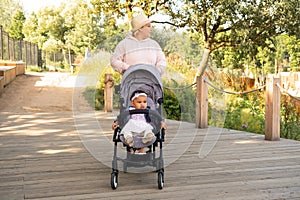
(148, 136)
(129, 140)
(126, 131)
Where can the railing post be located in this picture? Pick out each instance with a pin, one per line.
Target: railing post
(108, 92)
(1, 41)
(201, 102)
(272, 123)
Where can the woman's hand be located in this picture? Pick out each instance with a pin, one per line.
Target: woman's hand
(163, 125)
(115, 125)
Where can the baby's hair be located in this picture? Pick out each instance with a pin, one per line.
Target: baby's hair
(136, 93)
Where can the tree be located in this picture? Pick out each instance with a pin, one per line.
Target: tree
(30, 30)
(231, 23)
(83, 27)
(111, 12)
(216, 24)
(7, 10)
(69, 27)
(16, 26)
(288, 52)
(47, 24)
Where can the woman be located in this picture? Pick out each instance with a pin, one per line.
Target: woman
(138, 48)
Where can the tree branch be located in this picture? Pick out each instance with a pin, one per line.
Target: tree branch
(224, 44)
(170, 23)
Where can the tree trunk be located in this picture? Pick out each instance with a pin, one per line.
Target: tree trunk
(203, 63)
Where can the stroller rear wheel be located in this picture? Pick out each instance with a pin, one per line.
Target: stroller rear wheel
(114, 180)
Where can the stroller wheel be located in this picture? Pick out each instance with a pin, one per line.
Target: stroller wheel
(160, 180)
(114, 180)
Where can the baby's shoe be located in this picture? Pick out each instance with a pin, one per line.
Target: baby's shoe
(129, 140)
(148, 138)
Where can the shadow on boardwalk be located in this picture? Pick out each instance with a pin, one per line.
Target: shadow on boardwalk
(42, 156)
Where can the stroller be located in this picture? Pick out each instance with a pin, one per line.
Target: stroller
(145, 78)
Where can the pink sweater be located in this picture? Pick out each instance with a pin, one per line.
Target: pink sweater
(131, 51)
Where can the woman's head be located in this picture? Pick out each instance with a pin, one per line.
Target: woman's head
(141, 25)
(139, 100)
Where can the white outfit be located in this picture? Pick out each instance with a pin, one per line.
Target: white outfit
(136, 127)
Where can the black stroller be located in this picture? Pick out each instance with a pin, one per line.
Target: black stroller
(145, 78)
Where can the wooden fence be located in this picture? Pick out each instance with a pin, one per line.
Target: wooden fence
(289, 81)
(18, 50)
(15, 50)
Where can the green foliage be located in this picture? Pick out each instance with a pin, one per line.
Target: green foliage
(113, 10)
(31, 30)
(244, 24)
(69, 27)
(93, 70)
(183, 45)
(171, 105)
(82, 29)
(179, 101)
(290, 118)
(16, 26)
(288, 52)
(179, 98)
(45, 29)
(246, 113)
(8, 9)
(94, 97)
(34, 69)
(111, 37)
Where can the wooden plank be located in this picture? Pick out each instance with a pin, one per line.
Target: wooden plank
(20, 68)
(42, 156)
(9, 74)
(1, 84)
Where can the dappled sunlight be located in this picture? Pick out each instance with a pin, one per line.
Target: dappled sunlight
(56, 151)
(107, 133)
(36, 124)
(67, 134)
(103, 115)
(29, 132)
(17, 117)
(109, 117)
(24, 156)
(63, 80)
(248, 141)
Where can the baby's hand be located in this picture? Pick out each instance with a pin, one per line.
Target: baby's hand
(163, 125)
(115, 125)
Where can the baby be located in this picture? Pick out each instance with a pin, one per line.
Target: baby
(138, 124)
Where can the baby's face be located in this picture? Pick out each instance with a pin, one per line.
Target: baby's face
(140, 102)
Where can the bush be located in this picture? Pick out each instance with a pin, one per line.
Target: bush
(94, 97)
(290, 118)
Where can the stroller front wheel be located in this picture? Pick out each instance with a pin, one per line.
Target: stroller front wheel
(114, 180)
(160, 180)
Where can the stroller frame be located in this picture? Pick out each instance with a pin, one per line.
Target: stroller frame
(150, 158)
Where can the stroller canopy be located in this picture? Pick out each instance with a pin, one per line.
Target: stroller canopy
(141, 77)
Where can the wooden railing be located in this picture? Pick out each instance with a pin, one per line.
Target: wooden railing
(274, 85)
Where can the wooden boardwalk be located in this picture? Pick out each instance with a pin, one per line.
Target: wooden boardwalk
(51, 155)
(50, 162)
